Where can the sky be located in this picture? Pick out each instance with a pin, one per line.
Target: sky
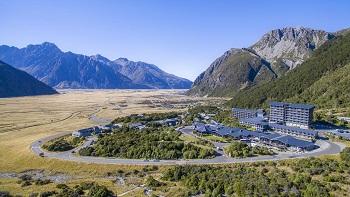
(182, 37)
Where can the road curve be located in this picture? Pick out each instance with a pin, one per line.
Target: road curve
(326, 148)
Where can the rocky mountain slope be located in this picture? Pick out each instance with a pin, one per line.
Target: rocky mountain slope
(276, 53)
(50, 65)
(235, 70)
(322, 80)
(14, 82)
(290, 46)
(150, 75)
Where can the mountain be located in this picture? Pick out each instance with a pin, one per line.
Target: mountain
(235, 70)
(323, 79)
(50, 65)
(14, 82)
(276, 53)
(150, 75)
(290, 46)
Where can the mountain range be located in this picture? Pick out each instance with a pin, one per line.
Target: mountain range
(323, 80)
(14, 82)
(59, 69)
(277, 53)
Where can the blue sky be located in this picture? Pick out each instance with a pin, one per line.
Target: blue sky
(181, 36)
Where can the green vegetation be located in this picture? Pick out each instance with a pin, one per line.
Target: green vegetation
(225, 117)
(145, 118)
(194, 112)
(150, 143)
(328, 118)
(213, 137)
(241, 150)
(208, 109)
(305, 177)
(153, 183)
(331, 91)
(64, 143)
(84, 189)
(345, 154)
(302, 84)
(26, 180)
(90, 189)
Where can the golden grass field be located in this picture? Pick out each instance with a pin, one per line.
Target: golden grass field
(26, 119)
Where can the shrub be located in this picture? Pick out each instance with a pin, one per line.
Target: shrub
(25, 177)
(26, 183)
(345, 154)
(59, 145)
(5, 194)
(100, 191)
(42, 182)
(47, 193)
(152, 183)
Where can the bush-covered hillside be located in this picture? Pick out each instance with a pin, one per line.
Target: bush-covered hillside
(331, 91)
(330, 57)
(309, 177)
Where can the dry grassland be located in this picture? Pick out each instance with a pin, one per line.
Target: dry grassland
(26, 119)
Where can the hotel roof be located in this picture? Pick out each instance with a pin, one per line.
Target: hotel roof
(294, 129)
(244, 110)
(291, 141)
(294, 105)
(256, 120)
(270, 136)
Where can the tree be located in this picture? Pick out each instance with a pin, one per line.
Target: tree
(152, 183)
(99, 191)
(4, 194)
(239, 189)
(314, 189)
(345, 154)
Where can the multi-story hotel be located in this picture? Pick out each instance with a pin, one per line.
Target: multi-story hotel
(291, 114)
(240, 113)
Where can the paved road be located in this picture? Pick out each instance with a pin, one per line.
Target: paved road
(326, 147)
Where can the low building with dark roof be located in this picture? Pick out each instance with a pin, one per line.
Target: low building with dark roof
(82, 133)
(86, 132)
(259, 124)
(225, 131)
(201, 128)
(171, 121)
(304, 133)
(286, 141)
(137, 125)
(168, 122)
(293, 143)
(267, 137)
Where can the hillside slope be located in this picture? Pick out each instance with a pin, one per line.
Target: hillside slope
(331, 91)
(236, 69)
(333, 55)
(14, 82)
(276, 53)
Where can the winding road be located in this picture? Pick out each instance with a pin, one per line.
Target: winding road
(326, 148)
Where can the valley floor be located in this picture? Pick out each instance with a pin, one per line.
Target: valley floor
(24, 120)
